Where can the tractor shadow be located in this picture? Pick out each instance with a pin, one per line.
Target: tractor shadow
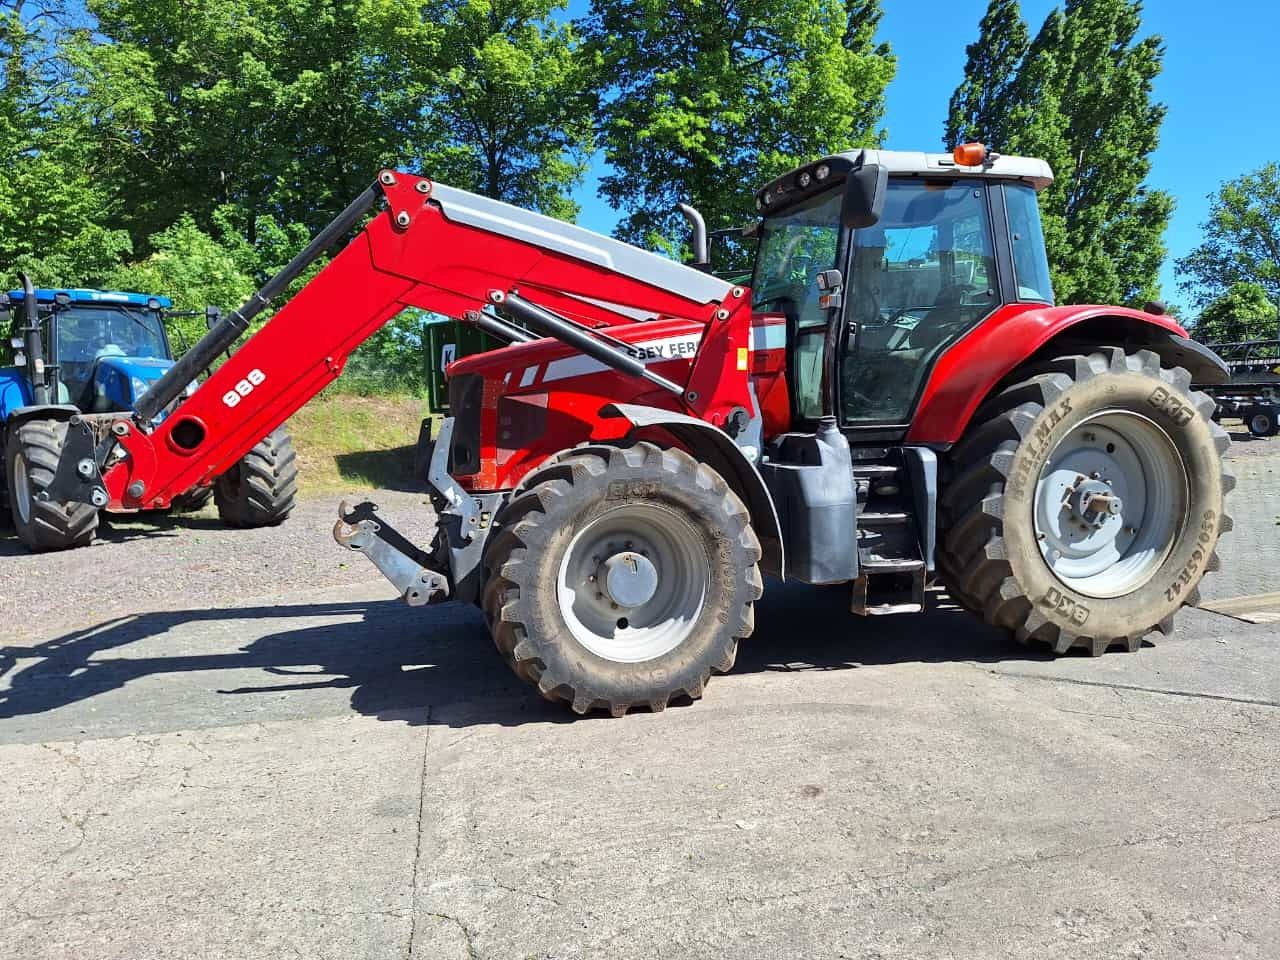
(381, 469)
(385, 660)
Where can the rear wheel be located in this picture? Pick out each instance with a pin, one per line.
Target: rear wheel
(1262, 421)
(1086, 501)
(622, 577)
(192, 501)
(260, 490)
(31, 460)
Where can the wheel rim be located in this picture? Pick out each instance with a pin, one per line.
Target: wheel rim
(1110, 503)
(633, 583)
(1259, 424)
(21, 489)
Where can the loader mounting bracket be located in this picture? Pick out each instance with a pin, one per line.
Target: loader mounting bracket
(78, 478)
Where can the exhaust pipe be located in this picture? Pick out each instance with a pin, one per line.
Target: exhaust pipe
(32, 344)
(701, 250)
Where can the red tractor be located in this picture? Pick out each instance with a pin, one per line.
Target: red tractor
(895, 400)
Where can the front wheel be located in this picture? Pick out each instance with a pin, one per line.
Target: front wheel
(1086, 501)
(31, 460)
(622, 577)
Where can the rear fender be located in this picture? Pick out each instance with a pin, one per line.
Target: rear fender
(716, 449)
(970, 370)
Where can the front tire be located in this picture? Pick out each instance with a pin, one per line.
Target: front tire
(1086, 501)
(260, 490)
(31, 460)
(622, 577)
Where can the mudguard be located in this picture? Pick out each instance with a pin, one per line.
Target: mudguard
(975, 365)
(717, 450)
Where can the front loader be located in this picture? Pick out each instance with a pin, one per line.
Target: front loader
(894, 401)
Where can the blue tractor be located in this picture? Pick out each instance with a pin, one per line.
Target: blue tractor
(78, 351)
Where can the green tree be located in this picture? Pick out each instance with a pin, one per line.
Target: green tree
(194, 270)
(1243, 312)
(1081, 98)
(706, 101)
(513, 104)
(1241, 239)
(981, 103)
(272, 113)
(52, 206)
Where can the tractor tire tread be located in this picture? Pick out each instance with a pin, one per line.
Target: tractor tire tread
(550, 490)
(972, 559)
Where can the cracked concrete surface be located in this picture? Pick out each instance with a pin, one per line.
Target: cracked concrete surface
(330, 774)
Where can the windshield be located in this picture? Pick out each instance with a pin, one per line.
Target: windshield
(1030, 263)
(86, 333)
(794, 248)
(919, 279)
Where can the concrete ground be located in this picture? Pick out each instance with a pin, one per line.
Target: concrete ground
(326, 773)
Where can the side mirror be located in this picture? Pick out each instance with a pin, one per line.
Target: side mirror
(864, 194)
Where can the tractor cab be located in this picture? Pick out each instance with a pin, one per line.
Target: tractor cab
(101, 349)
(881, 260)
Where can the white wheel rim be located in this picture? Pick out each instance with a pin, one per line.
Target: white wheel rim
(21, 489)
(1132, 459)
(656, 626)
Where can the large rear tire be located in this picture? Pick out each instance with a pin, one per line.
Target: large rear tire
(31, 460)
(260, 490)
(622, 577)
(1085, 502)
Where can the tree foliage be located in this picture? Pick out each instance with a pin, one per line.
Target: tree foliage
(1241, 239)
(1243, 312)
(706, 100)
(981, 105)
(1080, 97)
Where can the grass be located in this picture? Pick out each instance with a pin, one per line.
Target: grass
(348, 443)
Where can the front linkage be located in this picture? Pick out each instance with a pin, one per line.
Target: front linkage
(452, 571)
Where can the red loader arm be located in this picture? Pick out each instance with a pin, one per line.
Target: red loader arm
(438, 249)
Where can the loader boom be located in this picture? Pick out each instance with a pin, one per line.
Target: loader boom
(437, 249)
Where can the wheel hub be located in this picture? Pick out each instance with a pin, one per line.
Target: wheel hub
(633, 583)
(628, 579)
(21, 489)
(1109, 504)
(1091, 502)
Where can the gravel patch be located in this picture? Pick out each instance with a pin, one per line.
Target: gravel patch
(145, 563)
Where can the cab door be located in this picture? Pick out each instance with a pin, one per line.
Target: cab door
(916, 282)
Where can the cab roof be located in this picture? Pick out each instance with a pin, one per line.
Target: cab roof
(81, 295)
(790, 187)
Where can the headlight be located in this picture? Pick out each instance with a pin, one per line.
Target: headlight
(805, 179)
(140, 387)
(822, 172)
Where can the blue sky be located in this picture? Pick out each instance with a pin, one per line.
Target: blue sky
(1220, 80)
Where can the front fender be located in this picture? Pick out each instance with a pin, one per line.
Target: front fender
(51, 411)
(717, 450)
(969, 370)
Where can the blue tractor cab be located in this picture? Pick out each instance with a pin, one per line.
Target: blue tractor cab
(101, 349)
